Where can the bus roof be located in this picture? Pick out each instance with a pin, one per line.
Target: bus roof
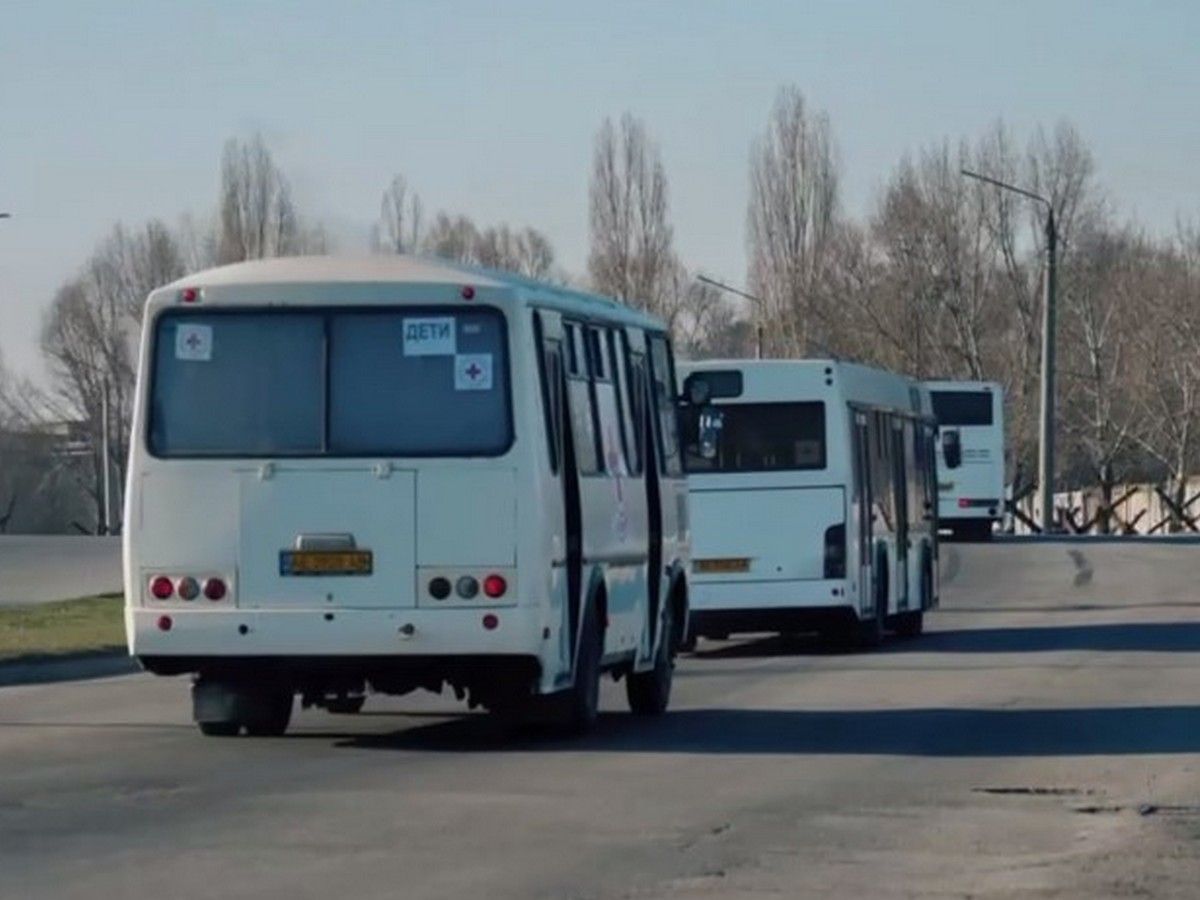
(856, 382)
(406, 269)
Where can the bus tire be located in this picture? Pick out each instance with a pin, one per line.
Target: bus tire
(219, 729)
(870, 631)
(649, 692)
(346, 706)
(581, 702)
(268, 712)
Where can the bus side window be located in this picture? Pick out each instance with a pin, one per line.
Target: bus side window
(620, 376)
(582, 403)
(550, 373)
(664, 398)
(636, 371)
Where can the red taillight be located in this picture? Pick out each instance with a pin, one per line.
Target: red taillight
(468, 292)
(490, 622)
(189, 295)
(164, 623)
(188, 588)
(964, 503)
(214, 589)
(495, 586)
(162, 588)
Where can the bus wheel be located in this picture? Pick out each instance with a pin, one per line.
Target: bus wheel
(581, 701)
(268, 713)
(910, 624)
(219, 729)
(346, 705)
(870, 631)
(649, 692)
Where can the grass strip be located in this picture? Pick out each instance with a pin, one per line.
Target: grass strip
(89, 624)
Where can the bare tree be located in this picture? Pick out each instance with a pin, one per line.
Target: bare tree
(399, 226)
(89, 339)
(1102, 414)
(525, 251)
(257, 217)
(631, 255)
(1169, 356)
(792, 218)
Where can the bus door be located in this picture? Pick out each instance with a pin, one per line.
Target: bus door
(666, 489)
(864, 503)
(564, 517)
(900, 495)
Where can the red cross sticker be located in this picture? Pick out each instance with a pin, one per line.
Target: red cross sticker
(473, 371)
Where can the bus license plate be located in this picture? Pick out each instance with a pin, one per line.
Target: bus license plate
(741, 564)
(325, 562)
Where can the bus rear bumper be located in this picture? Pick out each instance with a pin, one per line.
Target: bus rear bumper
(206, 633)
(720, 608)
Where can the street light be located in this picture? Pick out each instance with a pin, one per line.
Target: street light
(758, 305)
(1046, 431)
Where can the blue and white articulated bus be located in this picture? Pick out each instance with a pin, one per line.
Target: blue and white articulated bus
(970, 456)
(812, 499)
(392, 473)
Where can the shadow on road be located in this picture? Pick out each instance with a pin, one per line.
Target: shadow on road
(1156, 637)
(908, 732)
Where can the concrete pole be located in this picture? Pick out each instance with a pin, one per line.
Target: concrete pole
(1046, 431)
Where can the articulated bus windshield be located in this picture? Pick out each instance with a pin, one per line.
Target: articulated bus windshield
(364, 382)
(761, 437)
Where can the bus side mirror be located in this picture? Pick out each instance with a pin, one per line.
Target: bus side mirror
(952, 449)
(709, 425)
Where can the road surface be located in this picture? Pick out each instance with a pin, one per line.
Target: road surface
(1042, 740)
(38, 568)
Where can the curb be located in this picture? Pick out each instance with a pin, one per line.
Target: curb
(68, 667)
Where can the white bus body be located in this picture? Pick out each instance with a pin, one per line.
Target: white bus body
(970, 417)
(392, 473)
(813, 509)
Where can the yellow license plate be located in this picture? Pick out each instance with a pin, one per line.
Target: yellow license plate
(713, 566)
(325, 562)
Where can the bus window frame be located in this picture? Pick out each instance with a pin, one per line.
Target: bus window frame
(325, 313)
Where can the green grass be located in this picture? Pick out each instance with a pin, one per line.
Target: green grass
(68, 626)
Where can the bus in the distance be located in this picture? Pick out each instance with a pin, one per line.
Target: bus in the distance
(377, 475)
(970, 456)
(812, 499)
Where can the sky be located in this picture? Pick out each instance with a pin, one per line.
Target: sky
(117, 112)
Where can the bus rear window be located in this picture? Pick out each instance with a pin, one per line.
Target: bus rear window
(762, 437)
(416, 382)
(962, 407)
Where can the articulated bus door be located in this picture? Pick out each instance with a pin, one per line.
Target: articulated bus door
(900, 494)
(565, 518)
(865, 506)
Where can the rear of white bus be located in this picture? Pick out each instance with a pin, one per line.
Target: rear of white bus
(970, 456)
(323, 493)
(769, 501)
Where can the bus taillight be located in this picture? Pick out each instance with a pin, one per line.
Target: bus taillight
(214, 589)
(835, 551)
(188, 588)
(162, 588)
(495, 586)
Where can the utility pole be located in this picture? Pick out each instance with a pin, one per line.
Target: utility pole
(105, 460)
(1046, 426)
(758, 310)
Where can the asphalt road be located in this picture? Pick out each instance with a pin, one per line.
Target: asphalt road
(1042, 740)
(38, 568)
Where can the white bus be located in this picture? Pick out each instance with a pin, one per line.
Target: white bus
(970, 460)
(392, 473)
(812, 498)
